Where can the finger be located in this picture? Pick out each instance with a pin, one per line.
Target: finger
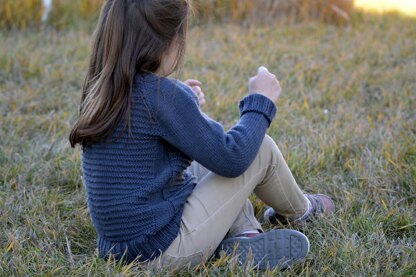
(197, 90)
(262, 69)
(192, 82)
(201, 100)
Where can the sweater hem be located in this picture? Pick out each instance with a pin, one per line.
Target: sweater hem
(144, 248)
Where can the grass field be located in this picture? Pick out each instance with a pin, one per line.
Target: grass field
(346, 124)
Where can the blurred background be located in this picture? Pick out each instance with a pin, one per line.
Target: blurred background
(61, 13)
(346, 124)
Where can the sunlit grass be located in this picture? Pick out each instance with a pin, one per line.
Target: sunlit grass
(405, 7)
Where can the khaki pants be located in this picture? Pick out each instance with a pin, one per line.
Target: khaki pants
(220, 205)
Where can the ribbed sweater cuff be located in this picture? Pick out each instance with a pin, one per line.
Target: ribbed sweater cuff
(259, 104)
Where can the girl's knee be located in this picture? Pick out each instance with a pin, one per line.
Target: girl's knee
(270, 149)
(268, 143)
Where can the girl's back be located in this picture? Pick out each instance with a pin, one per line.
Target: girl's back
(128, 178)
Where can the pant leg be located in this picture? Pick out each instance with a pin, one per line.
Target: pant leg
(279, 189)
(216, 202)
(245, 221)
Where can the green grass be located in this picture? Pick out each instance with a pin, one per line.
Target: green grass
(346, 124)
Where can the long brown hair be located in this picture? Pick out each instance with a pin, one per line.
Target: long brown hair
(131, 38)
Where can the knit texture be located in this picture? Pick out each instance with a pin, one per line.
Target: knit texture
(137, 180)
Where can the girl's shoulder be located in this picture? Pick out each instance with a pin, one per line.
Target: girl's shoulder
(154, 86)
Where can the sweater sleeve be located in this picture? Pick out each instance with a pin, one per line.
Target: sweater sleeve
(204, 140)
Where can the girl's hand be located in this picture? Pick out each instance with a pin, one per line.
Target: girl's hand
(265, 83)
(195, 85)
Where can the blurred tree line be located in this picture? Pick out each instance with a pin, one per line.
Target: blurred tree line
(63, 13)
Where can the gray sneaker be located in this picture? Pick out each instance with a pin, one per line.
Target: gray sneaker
(269, 250)
(320, 205)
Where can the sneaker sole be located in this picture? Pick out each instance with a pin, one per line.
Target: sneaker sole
(276, 248)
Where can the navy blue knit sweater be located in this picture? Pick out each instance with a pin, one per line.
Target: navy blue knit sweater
(137, 182)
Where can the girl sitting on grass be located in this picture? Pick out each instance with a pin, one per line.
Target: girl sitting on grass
(165, 183)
